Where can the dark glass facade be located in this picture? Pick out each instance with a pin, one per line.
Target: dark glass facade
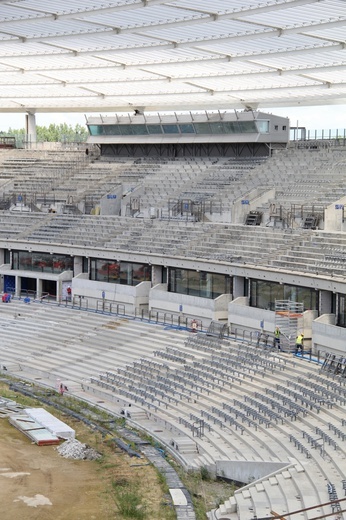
(263, 295)
(341, 314)
(41, 262)
(126, 273)
(199, 283)
(215, 128)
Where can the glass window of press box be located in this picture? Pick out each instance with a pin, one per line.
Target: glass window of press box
(41, 262)
(126, 273)
(263, 295)
(215, 128)
(198, 283)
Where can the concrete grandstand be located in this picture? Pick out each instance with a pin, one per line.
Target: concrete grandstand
(149, 267)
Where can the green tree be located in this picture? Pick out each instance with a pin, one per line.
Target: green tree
(62, 132)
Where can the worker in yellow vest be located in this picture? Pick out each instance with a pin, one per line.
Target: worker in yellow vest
(300, 344)
(277, 334)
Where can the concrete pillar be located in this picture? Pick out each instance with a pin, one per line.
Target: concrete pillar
(238, 286)
(38, 288)
(18, 286)
(325, 302)
(156, 274)
(30, 127)
(59, 291)
(2, 261)
(77, 265)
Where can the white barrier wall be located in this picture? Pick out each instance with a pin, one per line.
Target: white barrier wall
(111, 202)
(131, 296)
(204, 309)
(249, 318)
(327, 337)
(247, 471)
(334, 216)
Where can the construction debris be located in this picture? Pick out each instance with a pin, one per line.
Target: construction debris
(9, 407)
(73, 449)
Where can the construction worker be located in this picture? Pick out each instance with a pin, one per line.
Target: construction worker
(194, 325)
(277, 334)
(300, 344)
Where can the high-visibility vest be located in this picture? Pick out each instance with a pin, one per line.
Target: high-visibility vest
(277, 333)
(299, 340)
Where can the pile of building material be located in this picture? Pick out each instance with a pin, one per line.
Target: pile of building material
(33, 429)
(51, 423)
(73, 449)
(8, 407)
(40, 426)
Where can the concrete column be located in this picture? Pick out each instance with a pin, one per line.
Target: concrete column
(156, 274)
(18, 286)
(58, 291)
(77, 265)
(30, 127)
(325, 302)
(238, 286)
(2, 261)
(38, 288)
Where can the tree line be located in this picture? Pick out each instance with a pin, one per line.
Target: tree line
(53, 133)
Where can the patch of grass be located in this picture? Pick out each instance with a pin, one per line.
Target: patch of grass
(205, 474)
(128, 501)
(207, 493)
(120, 422)
(162, 481)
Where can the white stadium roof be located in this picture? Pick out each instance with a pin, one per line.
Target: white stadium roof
(115, 55)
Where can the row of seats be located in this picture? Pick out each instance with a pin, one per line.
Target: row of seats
(93, 344)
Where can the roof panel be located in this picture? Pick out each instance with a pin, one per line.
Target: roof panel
(157, 15)
(195, 54)
(301, 15)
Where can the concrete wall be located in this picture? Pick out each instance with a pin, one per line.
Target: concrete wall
(246, 472)
(131, 296)
(249, 318)
(327, 336)
(223, 217)
(204, 309)
(257, 197)
(111, 203)
(305, 326)
(333, 216)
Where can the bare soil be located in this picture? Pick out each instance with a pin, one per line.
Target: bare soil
(36, 482)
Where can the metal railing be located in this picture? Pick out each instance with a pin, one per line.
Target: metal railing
(315, 139)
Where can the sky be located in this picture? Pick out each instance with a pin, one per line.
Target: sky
(330, 117)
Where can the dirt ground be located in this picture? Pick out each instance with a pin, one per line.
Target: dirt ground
(38, 483)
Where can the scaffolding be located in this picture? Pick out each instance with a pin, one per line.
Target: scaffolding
(287, 315)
